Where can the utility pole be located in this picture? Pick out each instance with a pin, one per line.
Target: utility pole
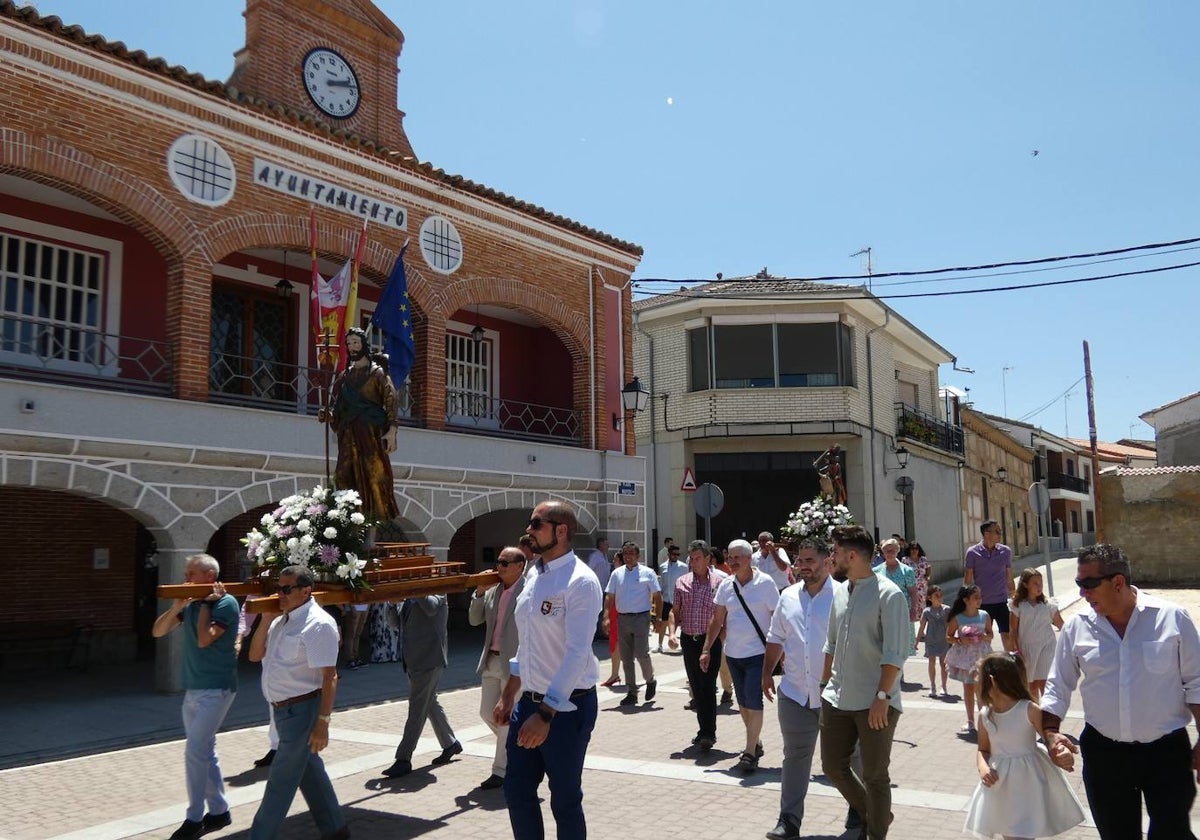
(1091, 406)
(859, 253)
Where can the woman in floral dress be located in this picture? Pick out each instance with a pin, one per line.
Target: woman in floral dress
(920, 564)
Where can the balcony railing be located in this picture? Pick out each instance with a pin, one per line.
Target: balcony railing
(1062, 481)
(927, 429)
(276, 385)
(468, 411)
(31, 348)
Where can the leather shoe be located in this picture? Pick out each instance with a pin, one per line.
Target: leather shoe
(491, 782)
(398, 769)
(447, 754)
(705, 743)
(651, 687)
(629, 699)
(215, 822)
(853, 819)
(188, 831)
(726, 698)
(266, 760)
(784, 830)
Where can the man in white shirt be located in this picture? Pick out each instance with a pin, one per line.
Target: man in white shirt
(637, 595)
(798, 632)
(772, 560)
(1139, 657)
(599, 563)
(298, 650)
(744, 604)
(665, 550)
(550, 726)
(669, 574)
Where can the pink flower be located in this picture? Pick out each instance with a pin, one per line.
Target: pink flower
(970, 632)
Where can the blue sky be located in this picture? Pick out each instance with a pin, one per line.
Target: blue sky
(788, 135)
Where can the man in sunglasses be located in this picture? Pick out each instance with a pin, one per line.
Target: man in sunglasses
(1139, 657)
(493, 607)
(298, 649)
(550, 699)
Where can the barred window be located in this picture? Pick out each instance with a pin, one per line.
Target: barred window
(51, 301)
(470, 394)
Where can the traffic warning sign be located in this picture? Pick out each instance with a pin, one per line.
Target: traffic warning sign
(689, 480)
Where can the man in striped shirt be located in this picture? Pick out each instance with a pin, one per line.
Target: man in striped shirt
(692, 607)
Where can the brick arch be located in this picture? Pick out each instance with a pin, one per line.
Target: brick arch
(476, 506)
(240, 232)
(570, 326)
(133, 200)
(119, 490)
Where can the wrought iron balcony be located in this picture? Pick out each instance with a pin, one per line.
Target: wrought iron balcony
(927, 429)
(469, 411)
(1062, 481)
(32, 348)
(261, 382)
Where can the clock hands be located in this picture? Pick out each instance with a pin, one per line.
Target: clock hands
(349, 83)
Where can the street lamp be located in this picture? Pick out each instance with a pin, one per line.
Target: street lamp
(901, 454)
(634, 397)
(1002, 474)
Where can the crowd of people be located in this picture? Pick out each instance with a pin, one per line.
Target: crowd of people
(820, 631)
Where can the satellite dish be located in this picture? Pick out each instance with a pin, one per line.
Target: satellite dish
(904, 485)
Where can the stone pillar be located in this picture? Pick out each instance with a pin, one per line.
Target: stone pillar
(429, 371)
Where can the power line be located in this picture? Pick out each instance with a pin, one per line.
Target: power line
(701, 295)
(984, 267)
(1038, 411)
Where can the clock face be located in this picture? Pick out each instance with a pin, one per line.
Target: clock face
(331, 83)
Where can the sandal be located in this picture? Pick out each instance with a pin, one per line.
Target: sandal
(611, 681)
(747, 763)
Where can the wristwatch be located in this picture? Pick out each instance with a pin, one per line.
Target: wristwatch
(882, 695)
(325, 718)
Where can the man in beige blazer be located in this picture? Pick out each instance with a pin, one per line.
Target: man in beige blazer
(494, 608)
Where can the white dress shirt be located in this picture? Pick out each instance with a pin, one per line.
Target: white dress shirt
(801, 624)
(599, 563)
(299, 644)
(556, 619)
(1136, 687)
(670, 575)
(633, 588)
(761, 596)
(766, 564)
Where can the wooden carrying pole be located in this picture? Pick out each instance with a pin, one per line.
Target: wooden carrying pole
(401, 571)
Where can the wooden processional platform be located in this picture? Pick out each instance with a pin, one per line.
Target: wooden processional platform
(398, 571)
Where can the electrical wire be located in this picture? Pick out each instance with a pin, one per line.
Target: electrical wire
(1155, 246)
(684, 294)
(1046, 406)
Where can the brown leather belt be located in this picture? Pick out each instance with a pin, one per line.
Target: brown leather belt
(291, 701)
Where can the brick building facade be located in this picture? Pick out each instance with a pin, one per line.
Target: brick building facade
(155, 347)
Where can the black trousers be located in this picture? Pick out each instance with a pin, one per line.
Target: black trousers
(1118, 774)
(704, 684)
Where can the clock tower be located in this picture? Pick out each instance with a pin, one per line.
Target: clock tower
(334, 60)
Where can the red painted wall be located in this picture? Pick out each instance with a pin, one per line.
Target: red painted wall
(613, 374)
(535, 367)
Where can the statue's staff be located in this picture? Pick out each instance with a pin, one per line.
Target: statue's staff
(325, 363)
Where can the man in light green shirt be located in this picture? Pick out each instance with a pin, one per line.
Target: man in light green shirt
(860, 699)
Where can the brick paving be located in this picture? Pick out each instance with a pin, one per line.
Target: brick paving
(638, 755)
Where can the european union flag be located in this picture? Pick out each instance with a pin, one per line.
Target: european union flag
(393, 316)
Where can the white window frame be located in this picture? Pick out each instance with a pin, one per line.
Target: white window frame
(111, 252)
(488, 420)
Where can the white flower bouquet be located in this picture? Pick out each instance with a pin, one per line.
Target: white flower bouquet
(324, 529)
(817, 518)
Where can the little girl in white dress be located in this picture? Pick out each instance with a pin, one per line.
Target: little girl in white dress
(1021, 793)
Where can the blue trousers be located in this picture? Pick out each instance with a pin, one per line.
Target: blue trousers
(203, 712)
(560, 760)
(296, 766)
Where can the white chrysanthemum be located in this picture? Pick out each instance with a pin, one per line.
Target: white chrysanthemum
(292, 543)
(357, 518)
(335, 515)
(306, 540)
(330, 533)
(266, 520)
(303, 525)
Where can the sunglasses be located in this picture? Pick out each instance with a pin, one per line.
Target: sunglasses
(289, 588)
(504, 564)
(1089, 583)
(537, 522)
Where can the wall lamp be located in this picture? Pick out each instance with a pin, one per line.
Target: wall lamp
(634, 397)
(1002, 474)
(901, 454)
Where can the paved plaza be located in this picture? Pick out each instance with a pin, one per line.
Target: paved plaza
(642, 781)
